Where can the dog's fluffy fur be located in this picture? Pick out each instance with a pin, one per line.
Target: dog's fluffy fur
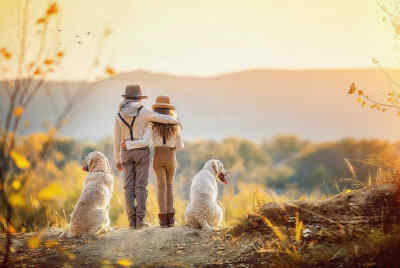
(203, 210)
(90, 215)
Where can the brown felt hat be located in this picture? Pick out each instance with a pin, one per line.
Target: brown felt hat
(163, 102)
(133, 92)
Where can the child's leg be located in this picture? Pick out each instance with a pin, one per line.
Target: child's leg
(161, 188)
(129, 191)
(170, 175)
(142, 161)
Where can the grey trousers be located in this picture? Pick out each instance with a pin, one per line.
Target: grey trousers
(136, 177)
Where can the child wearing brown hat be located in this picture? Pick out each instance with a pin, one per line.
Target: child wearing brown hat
(166, 140)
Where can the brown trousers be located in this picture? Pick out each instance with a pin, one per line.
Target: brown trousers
(164, 164)
(136, 177)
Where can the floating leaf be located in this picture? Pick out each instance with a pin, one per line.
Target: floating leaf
(33, 242)
(110, 71)
(60, 54)
(38, 71)
(358, 99)
(374, 61)
(18, 111)
(352, 89)
(16, 184)
(20, 160)
(48, 61)
(363, 103)
(6, 54)
(53, 9)
(124, 262)
(360, 93)
(41, 20)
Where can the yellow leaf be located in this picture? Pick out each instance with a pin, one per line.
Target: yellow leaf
(50, 243)
(110, 71)
(16, 185)
(124, 262)
(41, 20)
(18, 111)
(363, 103)
(375, 61)
(70, 255)
(48, 61)
(33, 242)
(51, 192)
(53, 9)
(17, 200)
(347, 191)
(11, 230)
(352, 89)
(20, 160)
(358, 99)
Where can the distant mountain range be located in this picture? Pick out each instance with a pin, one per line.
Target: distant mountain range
(254, 104)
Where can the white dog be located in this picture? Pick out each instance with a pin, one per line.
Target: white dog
(90, 215)
(203, 210)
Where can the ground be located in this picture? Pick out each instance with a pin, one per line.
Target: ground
(352, 229)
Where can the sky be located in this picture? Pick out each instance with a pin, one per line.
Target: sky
(210, 37)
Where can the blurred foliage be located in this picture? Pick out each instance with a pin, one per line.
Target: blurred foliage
(285, 167)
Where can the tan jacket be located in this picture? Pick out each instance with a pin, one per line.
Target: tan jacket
(146, 116)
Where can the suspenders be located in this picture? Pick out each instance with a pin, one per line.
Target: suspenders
(130, 126)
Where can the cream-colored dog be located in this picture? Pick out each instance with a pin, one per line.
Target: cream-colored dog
(91, 213)
(203, 210)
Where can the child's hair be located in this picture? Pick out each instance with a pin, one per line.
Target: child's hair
(165, 130)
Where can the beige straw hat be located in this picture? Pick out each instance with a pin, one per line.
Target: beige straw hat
(163, 102)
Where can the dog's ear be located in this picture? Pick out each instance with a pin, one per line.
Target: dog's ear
(215, 166)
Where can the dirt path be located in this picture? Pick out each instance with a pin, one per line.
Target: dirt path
(154, 247)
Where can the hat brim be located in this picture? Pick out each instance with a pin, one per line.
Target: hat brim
(163, 105)
(135, 97)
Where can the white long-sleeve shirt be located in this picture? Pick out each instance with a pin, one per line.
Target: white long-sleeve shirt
(153, 138)
(144, 119)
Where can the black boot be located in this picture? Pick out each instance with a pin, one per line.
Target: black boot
(171, 219)
(163, 220)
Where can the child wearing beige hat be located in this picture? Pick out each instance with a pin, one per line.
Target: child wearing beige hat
(166, 140)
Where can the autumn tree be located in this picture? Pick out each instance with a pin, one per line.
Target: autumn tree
(25, 68)
(386, 99)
